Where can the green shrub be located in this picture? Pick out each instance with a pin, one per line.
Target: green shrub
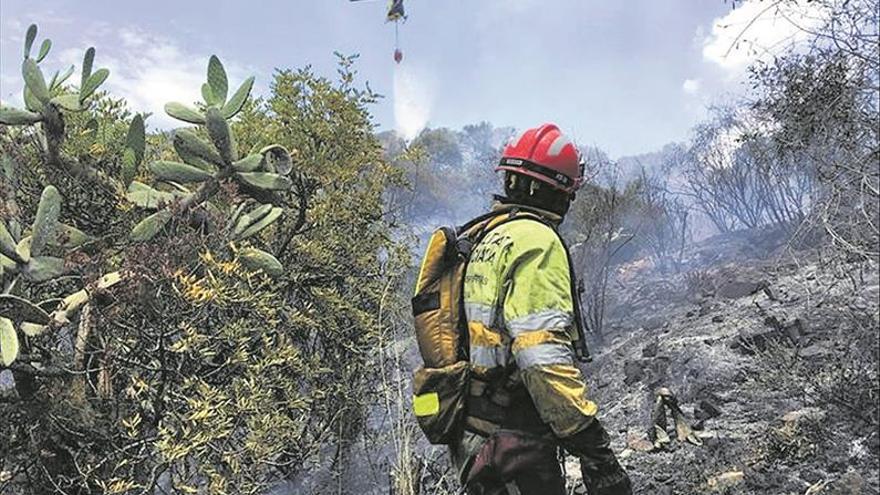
(194, 310)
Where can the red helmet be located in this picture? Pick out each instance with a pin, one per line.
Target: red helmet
(544, 153)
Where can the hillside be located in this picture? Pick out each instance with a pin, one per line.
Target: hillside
(772, 359)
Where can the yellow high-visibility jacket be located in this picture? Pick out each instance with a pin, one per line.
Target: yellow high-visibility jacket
(519, 306)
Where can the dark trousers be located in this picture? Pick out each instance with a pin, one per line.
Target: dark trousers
(515, 463)
(534, 483)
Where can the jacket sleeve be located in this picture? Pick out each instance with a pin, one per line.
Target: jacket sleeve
(539, 315)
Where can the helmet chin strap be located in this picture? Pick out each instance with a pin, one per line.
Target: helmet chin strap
(533, 187)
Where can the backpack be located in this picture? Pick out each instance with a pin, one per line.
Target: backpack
(441, 385)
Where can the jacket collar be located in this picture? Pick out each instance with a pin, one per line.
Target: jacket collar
(503, 204)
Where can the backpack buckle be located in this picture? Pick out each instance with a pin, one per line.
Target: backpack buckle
(464, 246)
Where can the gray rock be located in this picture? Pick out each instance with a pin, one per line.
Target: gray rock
(633, 371)
(773, 322)
(795, 329)
(653, 323)
(706, 308)
(752, 340)
(850, 483)
(735, 289)
(706, 410)
(871, 293)
(811, 475)
(814, 351)
(657, 370)
(806, 414)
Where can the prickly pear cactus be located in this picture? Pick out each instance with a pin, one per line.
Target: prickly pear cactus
(35, 255)
(189, 182)
(26, 257)
(50, 104)
(45, 99)
(203, 165)
(180, 185)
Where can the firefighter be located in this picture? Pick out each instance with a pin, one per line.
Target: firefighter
(526, 396)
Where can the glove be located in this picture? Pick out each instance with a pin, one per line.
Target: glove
(603, 475)
(613, 481)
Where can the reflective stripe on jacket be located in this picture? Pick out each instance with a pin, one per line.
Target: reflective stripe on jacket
(519, 306)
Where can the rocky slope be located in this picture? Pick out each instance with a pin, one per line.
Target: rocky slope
(773, 357)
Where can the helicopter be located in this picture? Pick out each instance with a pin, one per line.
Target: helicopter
(395, 13)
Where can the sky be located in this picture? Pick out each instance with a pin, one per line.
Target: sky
(627, 77)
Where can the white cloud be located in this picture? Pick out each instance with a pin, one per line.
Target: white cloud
(759, 29)
(147, 69)
(13, 31)
(691, 86)
(132, 37)
(10, 96)
(150, 71)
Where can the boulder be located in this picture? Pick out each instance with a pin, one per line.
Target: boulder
(664, 490)
(657, 370)
(770, 293)
(795, 329)
(652, 323)
(871, 293)
(706, 307)
(773, 322)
